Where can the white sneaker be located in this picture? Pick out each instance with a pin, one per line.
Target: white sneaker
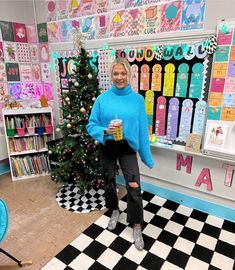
(113, 220)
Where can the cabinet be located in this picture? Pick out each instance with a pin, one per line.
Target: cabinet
(27, 133)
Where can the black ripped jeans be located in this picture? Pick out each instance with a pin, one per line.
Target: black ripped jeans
(120, 151)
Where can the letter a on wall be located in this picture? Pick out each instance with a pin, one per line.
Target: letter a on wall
(204, 178)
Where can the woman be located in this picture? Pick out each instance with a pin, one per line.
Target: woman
(121, 102)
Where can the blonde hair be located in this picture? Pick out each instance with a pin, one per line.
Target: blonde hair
(125, 63)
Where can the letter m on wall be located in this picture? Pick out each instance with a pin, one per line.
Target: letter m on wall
(187, 162)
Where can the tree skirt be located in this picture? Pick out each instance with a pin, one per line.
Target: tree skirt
(69, 198)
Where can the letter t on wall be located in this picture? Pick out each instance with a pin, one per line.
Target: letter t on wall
(229, 174)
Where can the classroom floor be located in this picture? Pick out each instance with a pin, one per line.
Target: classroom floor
(176, 237)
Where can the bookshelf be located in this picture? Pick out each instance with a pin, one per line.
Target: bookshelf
(27, 132)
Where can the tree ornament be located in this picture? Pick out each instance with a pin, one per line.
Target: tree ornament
(49, 152)
(89, 76)
(69, 125)
(94, 98)
(67, 99)
(82, 110)
(57, 129)
(96, 143)
(76, 84)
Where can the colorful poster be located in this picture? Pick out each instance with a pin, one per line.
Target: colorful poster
(53, 32)
(62, 10)
(117, 24)
(228, 114)
(32, 33)
(171, 16)
(38, 90)
(217, 84)
(23, 52)
(7, 31)
(74, 7)
(102, 22)
(48, 91)
(185, 120)
(88, 7)
(215, 99)
(89, 27)
(65, 28)
(116, 4)
(222, 53)
(20, 33)
(193, 14)
(45, 72)
(134, 25)
(15, 90)
(225, 33)
(36, 73)
(51, 10)
(101, 6)
(42, 32)
(12, 71)
(196, 82)
(3, 73)
(151, 20)
(1, 52)
(230, 85)
(10, 51)
(213, 113)
(34, 53)
(3, 90)
(26, 73)
(132, 3)
(44, 52)
(27, 93)
(229, 100)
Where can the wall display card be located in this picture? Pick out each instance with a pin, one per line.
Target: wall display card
(225, 33)
(1, 52)
(3, 73)
(10, 51)
(116, 4)
(171, 16)
(7, 31)
(193, 143)
(216, 134)
(133, 22)
(135, 77)
(89, 27)
(149, 102)
(195, 89)
(27, 93)
(152, 2)
(182, 80)
(65, 29)
(117, 24)
(102, 22)
(156, 82)
(32, 33)
(160, 116)
(15, 90)
(217, 85)
(23, 52)
(26, 73)
(34, 53)
(185, 120)
(2, 105)
(12, 70)
(193, 14)
(38, 90)
(219, 70)
(213, 113)
(151, 20)
(144, 77)
(222, 53)
(88, 7)
(169, 79)
(44, 52)
(3, 90)
(215, 99)
(42, 32)
(232, 53)
(231, 69)
(172, 118)
(36, 72)
(48, 91)
(230, 85)
(20, 32)
(53, 32)
(229, 100)
(74, 7)
(62, 10)
(45, 72)
(199, 117)
(132, 3)
(51, 10)
(228, 114)
(101, 6)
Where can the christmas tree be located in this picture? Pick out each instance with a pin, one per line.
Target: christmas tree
(76, 152)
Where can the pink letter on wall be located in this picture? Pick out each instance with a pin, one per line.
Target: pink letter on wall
(181, 162)
(204, 178)
(229, 174)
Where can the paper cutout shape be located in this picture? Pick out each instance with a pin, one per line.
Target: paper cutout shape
(102, 22)
(135, 77)
(199, 119)
(213, 113)
(117, 24)
(182, 80)
(89, 27)
(156, 82)
(53, 32)
(228, 114)
(74, 8)
(151, 20)
(20, 33)
(171, 15)
(65, 28)
(229, 174)
(215, 99)
(196, 83)
(169, 80)
(217, 85)
(230, 85)
(160, 116)
(133, 22)
(185, 120)
(229, 100)
(172, 118)
(219, 70)
(222, 53)
(144, 77)
(204, 178)
(149, 100)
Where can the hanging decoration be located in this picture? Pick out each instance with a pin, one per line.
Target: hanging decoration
(159, 53)
(78, 39)
(211, 45)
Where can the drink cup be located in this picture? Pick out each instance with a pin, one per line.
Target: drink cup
(117, 123)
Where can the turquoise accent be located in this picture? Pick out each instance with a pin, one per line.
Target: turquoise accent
(171, 12)
(192, 202)
(4, 167)
(3, 220)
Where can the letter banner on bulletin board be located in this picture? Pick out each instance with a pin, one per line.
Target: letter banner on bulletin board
(221, 103)
(174, 80)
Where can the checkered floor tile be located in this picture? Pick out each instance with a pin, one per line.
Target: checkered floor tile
(176, 237)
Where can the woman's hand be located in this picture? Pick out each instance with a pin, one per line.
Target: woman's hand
(111, 129)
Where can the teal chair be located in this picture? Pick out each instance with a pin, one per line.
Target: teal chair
(3, 231)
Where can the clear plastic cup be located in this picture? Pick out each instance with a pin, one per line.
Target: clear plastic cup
(117, 123)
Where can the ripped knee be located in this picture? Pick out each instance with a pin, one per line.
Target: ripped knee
(133, 184)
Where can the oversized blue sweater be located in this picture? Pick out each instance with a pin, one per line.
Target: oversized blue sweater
(129, 106)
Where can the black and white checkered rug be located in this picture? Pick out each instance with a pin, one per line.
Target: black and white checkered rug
(72, 200)
(176, 237)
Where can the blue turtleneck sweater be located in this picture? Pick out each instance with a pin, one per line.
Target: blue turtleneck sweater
(129, 106)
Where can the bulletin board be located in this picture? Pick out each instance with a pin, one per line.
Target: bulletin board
(174, 82)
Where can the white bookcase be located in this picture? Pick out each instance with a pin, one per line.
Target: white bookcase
(27, 147)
